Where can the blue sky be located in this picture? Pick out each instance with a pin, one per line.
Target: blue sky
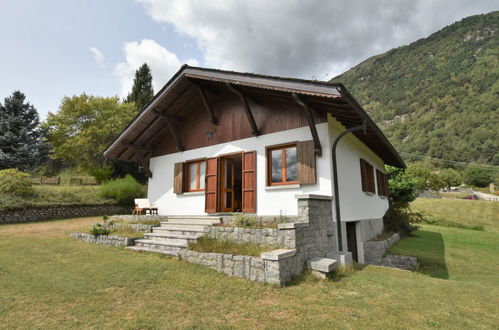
(50, 49)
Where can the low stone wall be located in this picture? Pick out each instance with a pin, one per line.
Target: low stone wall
(104, 239)
(262, 236)
(59, 212)
(133, 226)
(272, 267)
(128, 217)
(374, 254)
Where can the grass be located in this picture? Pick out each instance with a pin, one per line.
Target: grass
(466, 214)
(453, 194)
(48, 280)
(206, 244)
(56, 195)
(142, 222)
(127, 232)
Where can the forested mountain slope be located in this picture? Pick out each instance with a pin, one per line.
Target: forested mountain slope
(439, 96)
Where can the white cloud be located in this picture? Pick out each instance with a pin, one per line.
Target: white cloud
(98, 57)
(161, 61)
(305, 38)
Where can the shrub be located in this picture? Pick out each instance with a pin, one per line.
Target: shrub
(213, 245)
(450, 177)
(98, 230)
(243, 220)
(14, 182)
(123, 190)
(478, 176)
(102, 175)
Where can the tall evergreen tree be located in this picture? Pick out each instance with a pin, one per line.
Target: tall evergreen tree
(21, 138)
(142, 91)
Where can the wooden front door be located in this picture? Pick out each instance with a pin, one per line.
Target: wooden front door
(227, 185)
(352, 240)
(211, 186)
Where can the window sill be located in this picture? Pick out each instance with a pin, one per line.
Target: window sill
(383, 197)
(368, 193)
(283, 186)
(191, 193)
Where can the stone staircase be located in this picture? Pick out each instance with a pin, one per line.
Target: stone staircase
(173, 236)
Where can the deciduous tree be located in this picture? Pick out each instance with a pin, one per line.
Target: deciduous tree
(84, 126)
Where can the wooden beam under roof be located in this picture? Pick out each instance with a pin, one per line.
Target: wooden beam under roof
(213, 119)
(311, 124)
(174, 133)
(247, 109)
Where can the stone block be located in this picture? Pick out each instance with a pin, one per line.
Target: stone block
(324, 265)
(343, 258)
(278, 254)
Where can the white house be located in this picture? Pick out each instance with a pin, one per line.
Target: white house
(216, 141)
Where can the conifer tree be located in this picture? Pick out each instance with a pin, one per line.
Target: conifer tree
(142, 90)
(21, 138)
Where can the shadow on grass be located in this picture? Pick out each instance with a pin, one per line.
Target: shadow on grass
(429, 248)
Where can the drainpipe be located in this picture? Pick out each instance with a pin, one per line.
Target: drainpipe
(363, 127)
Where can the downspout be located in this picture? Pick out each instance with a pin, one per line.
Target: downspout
(363, 127)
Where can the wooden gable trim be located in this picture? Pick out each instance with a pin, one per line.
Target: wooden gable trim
(174, 133)
(247, 109)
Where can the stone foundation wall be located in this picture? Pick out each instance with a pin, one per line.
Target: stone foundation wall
(370, 229)
(59, 212)
(257, 269)
(104, 239)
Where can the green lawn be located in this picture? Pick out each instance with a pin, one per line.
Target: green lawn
(460, 212)
(48, 280)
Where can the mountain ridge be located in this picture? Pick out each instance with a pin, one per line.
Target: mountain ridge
(438, 96)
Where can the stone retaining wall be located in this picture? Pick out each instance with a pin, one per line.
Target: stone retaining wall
(134, 226)
(262, 236)
(59, 212)
(272, 267)
(311, 236)
(104, 239)
(374, 254)
(128, 217)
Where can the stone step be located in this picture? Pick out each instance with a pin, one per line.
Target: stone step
(179, 232)
(191, 221)
(159, 246)
(163, 242)
(179, 227)
(147, 249)
(198, 217)
(323, 265)
(161, 236)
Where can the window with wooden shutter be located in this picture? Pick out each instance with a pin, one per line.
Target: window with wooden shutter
(178, 178)
(282, 165)
(382, 181)
(195, 175)
(306, 162)
(367, 176)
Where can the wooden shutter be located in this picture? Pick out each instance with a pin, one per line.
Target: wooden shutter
(380, 183)
(370, 178)
(363, 177)
(178, 178)
(211, 185)
(249, 182)
(306, 162)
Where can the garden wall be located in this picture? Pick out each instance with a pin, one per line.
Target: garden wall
(272, 267)
(38, 213)
(374, 254)
(104, 239)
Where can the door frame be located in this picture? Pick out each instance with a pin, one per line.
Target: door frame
(221, 177)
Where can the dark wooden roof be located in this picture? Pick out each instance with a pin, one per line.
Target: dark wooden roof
(180, 99)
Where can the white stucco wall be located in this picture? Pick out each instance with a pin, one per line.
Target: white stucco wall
(269, 202)
(354, 203)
